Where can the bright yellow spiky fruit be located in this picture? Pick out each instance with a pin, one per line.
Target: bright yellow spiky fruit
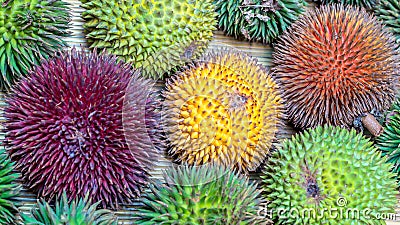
(222, 109)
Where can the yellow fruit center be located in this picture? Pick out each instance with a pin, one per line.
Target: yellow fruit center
(210, 121)
(224, 110)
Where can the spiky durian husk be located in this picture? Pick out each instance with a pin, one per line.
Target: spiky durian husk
(389, 141)
(77, 212)
(388, 11)
(257, 20)
(224, 108)
(8, 189)
(78, 124)
(328, 168)
(335, 64)
(200, 195)
(154, 35)
(29, 30)
(368, 4)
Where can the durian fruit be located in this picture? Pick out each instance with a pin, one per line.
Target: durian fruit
(335, 64)
(200, 195)
(29, 30)
(69, 129)
(389, 141)
(368, 4)
(329, 175)
(257, 20)
(156, 35)
(9, 189)
(77, 212)
(224, 109)
(388, 11)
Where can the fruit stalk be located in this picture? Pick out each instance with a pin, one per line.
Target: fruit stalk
(372, 125)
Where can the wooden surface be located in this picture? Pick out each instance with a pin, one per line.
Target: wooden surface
(262, 52)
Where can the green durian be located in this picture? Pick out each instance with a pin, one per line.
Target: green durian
(368, 4)
(200, 195)
(257, 20)
(9, 189)
(29, 30)
(389, 141)
(388, 11)
(156, 35)
(329, 169)
(77, 212)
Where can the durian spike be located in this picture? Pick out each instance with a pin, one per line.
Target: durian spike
(9, 189)
(206, 194)
(157, 36)
(388, 142)
(69, 212)
(388, 11)
(30, 30)
(327, 166)
(83, 123)
(224, 108)
(257, 20)
(334, 64)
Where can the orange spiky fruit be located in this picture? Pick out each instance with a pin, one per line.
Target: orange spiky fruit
(222, 109)
(335, 63)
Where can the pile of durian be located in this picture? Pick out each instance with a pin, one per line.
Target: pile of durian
(85, 128)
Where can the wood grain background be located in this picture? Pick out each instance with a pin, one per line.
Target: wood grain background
(262, 52)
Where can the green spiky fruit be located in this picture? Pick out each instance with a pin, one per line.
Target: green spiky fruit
(77, 212)
(154, 35)
(200, 195)
(8, 189)
(326, 169)
(389, 141)
(388, 11)
(368, 4)
(29, 30)
(257, 20)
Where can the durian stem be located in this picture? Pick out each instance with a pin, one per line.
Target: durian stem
(372, 124)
